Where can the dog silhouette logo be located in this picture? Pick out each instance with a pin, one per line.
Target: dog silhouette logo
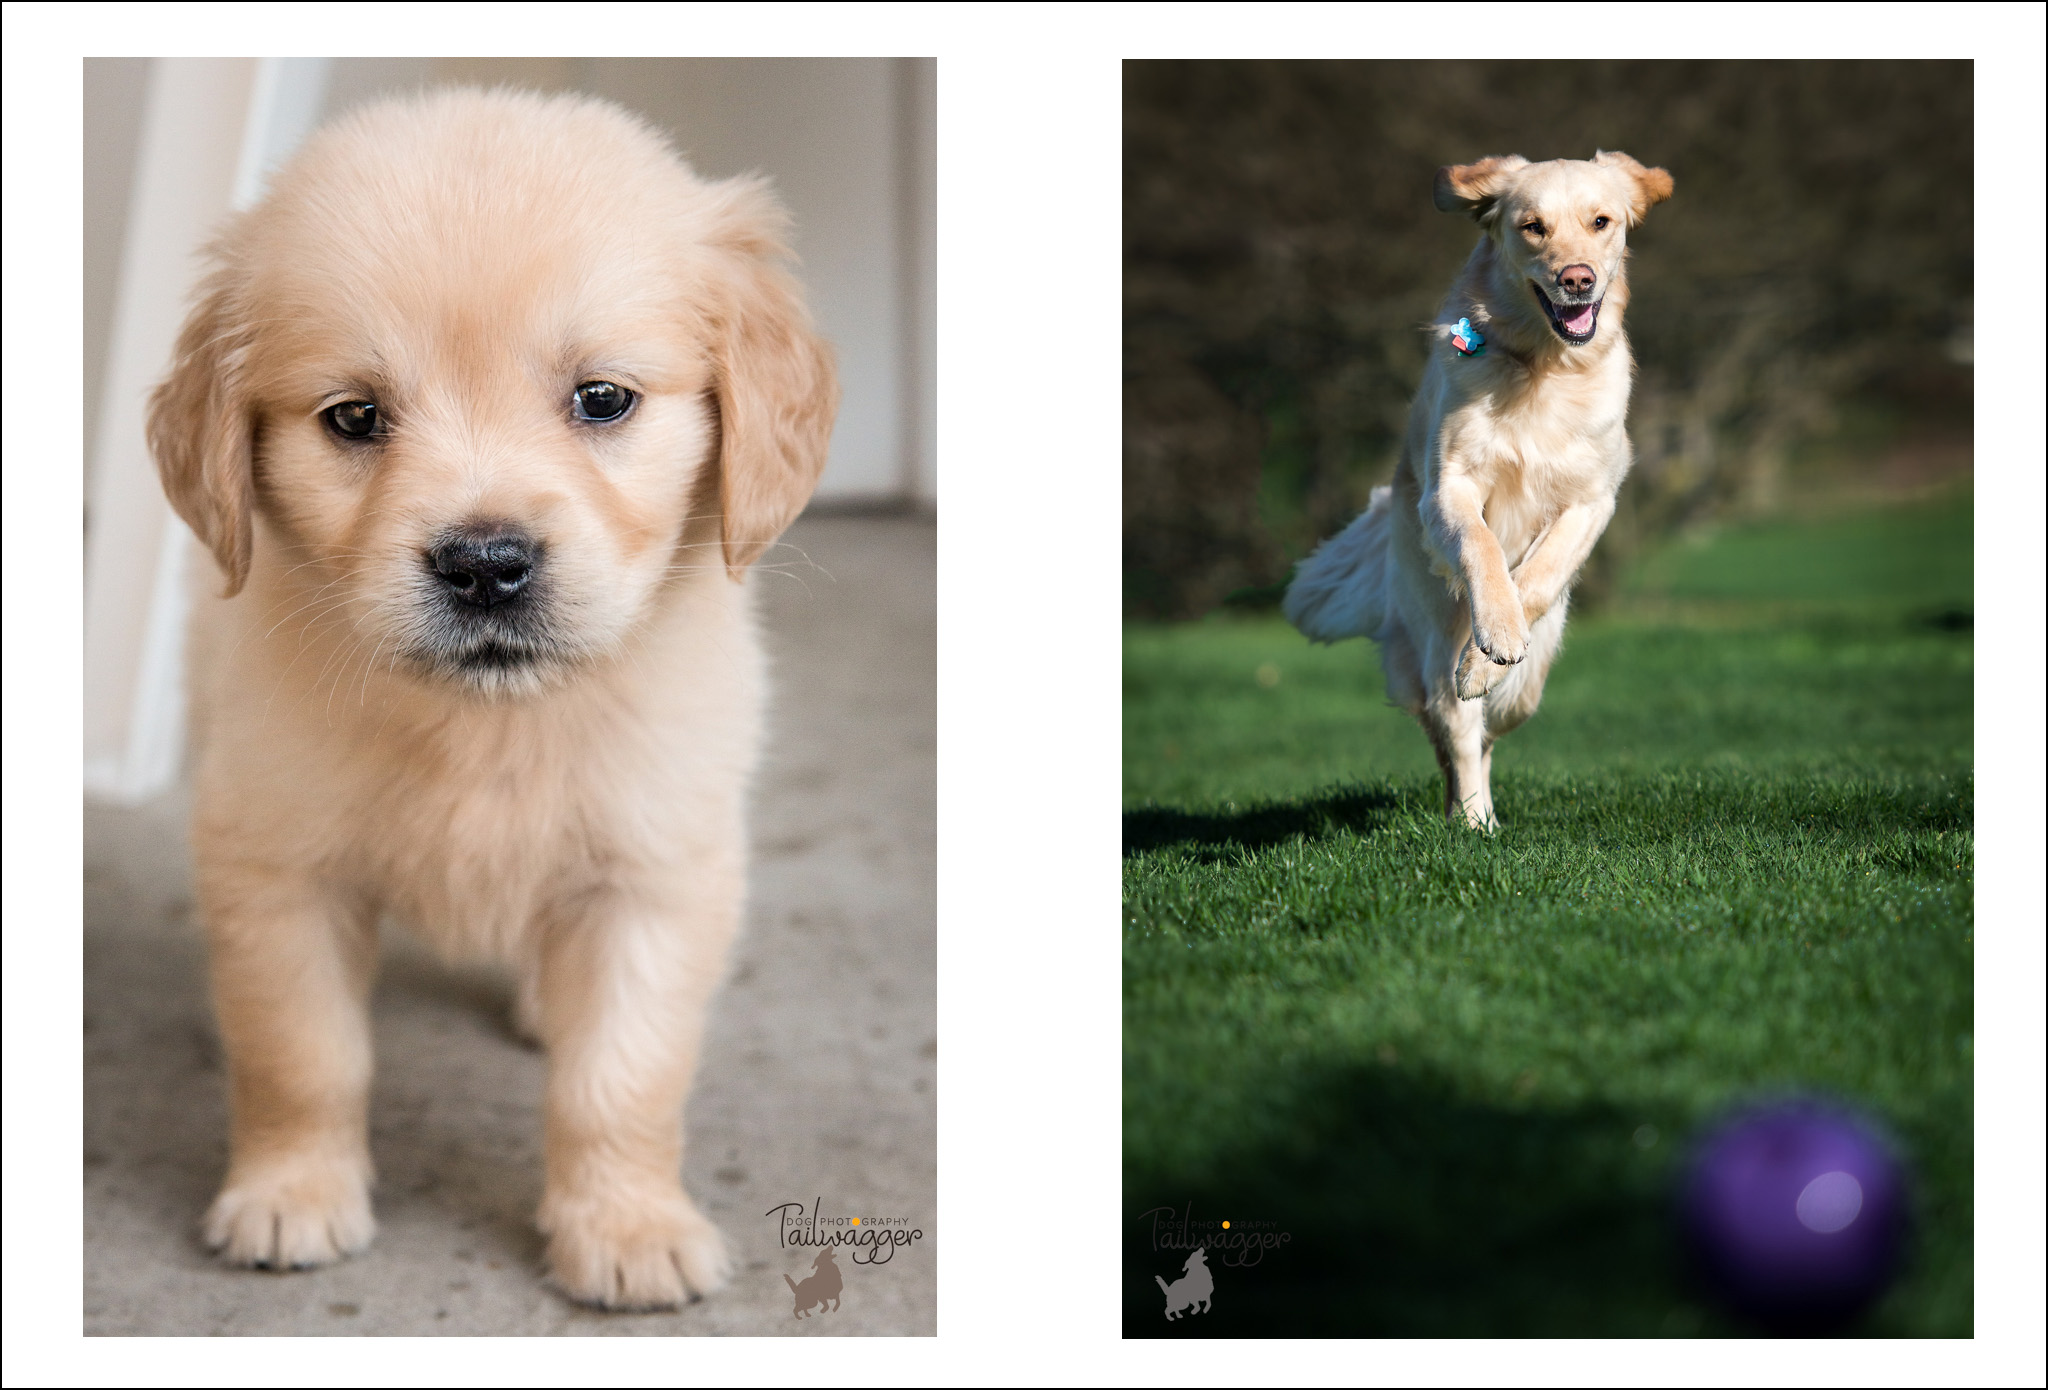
(1194, 1286)
(820, 1289)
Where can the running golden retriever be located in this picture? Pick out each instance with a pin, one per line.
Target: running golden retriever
(1515, 449)
(484, 413)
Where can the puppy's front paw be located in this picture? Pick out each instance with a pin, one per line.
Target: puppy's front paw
(293, 1213)
(632, 1249)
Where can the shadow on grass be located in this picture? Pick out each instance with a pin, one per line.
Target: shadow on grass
(1157, 827)
(1414, 1214)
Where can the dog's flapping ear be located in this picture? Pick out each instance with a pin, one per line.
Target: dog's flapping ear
(1650, 186)
(202, 429)
(1474, 188)
(777, 387)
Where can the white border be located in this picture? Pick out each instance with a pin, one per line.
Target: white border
(1029, 311)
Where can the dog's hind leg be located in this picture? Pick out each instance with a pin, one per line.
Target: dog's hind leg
(1512, 698)
(1457, 731)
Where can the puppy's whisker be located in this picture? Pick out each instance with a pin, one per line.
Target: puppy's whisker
(318, 607)
(369, 668)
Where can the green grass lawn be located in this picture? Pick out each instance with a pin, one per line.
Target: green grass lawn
(1459, 1070)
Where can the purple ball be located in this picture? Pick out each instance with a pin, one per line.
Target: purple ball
(1796, 1214)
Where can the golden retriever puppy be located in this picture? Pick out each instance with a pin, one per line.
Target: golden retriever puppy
(1515, 449)
(484, 412)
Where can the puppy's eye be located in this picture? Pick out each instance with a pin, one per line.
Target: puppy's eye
(1599, 224)
(602, 400)
(1533, 228)
(352, 419)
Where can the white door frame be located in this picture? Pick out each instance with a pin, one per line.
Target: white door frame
(212, 130)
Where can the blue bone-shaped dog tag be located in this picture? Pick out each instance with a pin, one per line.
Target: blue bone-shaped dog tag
(1467, 340)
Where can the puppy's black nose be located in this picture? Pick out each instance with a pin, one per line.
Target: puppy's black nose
(484, 565)
(1577, 279)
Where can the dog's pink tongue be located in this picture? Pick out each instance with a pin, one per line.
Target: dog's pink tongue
(1581, 323)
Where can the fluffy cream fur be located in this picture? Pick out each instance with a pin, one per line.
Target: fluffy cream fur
(1460, 569)
(466, 261)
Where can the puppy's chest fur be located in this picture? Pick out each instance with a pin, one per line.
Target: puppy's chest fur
(476, 836)
(471, 845)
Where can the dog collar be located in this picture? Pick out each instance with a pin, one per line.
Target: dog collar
(1467, 340)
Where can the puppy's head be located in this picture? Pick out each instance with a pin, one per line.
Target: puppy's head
(476, 366)
(1559, 230)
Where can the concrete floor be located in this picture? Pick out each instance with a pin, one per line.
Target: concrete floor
(817, 1081)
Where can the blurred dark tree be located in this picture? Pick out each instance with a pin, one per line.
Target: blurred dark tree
(1281, 254)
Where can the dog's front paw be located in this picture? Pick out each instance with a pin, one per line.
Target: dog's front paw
(292, 1213)
(632, 1249)
(1502, 632)
(1476, 673)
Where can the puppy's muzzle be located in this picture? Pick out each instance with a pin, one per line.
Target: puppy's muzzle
(485, 565)
(486, 613)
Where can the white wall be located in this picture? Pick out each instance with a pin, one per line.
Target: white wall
(171, 143)
(824, 130)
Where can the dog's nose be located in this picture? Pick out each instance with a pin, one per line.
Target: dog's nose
(484, 565)
(1577, 279)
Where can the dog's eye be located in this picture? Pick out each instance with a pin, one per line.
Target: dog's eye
(602, 400)
(1599, 224)
(352, 419)
(1533, 228)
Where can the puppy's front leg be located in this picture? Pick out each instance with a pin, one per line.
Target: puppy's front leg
(625, 986)
(291, 967)
(1456, 526)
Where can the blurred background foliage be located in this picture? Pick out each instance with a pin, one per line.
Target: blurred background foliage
(1800, 310)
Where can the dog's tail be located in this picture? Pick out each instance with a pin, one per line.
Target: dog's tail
(1162, 1286)
(789, 1281)
(1341, 590)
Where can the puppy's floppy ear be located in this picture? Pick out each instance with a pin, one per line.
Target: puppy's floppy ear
(1474, 188)
(777, 388)
(1651, 186)
(202, 427)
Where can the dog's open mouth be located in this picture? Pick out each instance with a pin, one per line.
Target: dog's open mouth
(1575, 323)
